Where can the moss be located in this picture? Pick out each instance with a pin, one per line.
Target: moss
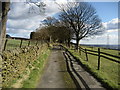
(6, 54)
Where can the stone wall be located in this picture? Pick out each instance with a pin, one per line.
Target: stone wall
(0, 71)
(14, 62)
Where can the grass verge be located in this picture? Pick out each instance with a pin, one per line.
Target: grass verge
(36, 71)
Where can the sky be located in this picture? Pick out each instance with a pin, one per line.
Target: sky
(21, 21)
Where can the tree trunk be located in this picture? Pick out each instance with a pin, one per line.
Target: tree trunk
(69, 38)
(4, 11)
(69, 42)
(77, 43)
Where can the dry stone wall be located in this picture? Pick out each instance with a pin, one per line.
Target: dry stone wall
(14, 62)
(0, 71)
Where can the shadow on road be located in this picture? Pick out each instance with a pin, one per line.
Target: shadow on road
(56, 47)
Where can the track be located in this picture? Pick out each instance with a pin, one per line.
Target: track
(81, 78)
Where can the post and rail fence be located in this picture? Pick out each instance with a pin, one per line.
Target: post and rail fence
(18, 43)
(99, 54)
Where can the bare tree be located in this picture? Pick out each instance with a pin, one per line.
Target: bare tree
(81, 17)
(50, 21)
(40, 5)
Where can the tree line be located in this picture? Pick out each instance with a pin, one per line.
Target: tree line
(53, 31)
(77, 20)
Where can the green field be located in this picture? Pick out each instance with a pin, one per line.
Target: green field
(108, 73)
(13, 43)
(109, 51)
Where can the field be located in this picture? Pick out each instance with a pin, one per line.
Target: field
(13, 43)
(110, 51)
(109, 71)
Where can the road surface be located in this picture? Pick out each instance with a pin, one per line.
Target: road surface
(54, 75)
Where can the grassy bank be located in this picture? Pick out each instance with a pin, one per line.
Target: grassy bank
(108, 73)
(30, 77)
(36, 71)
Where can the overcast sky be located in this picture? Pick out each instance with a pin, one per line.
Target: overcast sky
(22, 21)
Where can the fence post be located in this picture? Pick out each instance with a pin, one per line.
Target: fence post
(98, 58)
(21, 43)
(86, 54)
(29, 43)
(80, 50)
(5, 45)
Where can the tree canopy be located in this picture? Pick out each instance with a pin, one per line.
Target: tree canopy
(52, 33)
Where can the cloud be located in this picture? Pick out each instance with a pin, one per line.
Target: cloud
(111, 28)
(51, 8)
(22, 17)
(19, 19)
(102, 39)
(19, 32)
(32, 23)
(113, 24)
(20, 10)
(67, 0)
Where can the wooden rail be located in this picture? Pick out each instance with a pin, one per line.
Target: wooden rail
(99, 54)
(20, 44)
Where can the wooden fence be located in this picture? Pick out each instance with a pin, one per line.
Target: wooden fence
(99, 54)
(21, 43)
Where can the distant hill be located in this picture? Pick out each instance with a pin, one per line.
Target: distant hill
(116, 47)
